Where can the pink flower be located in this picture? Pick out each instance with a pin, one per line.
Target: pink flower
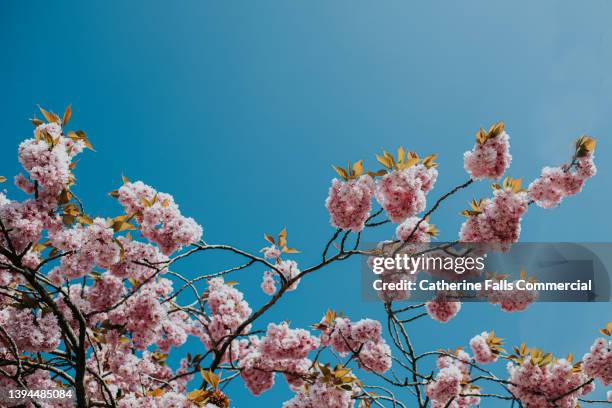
(268, 284)
(446, 386)
(498, 220)
(515, 300)
(24, 184)
(228, 310)
(420, 235)
(288, 268)
(271, 252)
(402, 192)
(556, 183)
(136, 256)
(537, 385)
(441, 309)
(159, 217)
(321, 395)
(31, 332)
(282, 349)
(89, 246)
(451, 386)
(598, 363)
(281, 342)
(481, 349)
(47, 158)
(105, 292)
(349, 202)
(362, 338)
(490, 158)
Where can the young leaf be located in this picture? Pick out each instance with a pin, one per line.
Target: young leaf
(2, 179)
(282, 238)
(158, 392)
(358, 168)
(401, 154)
(269, 238)
(210, 377)
(385, 161)
(50, 116)
(341, 172)
(67, 115)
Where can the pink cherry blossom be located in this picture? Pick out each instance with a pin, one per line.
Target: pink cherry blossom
(362, 338)
(556, 183)
(49, 165)
(598, 362)
(483, 353)
(499, 221)
(268, 285)
(288, 269)
(402, 192)
(228, 310)
(31, 332)
(159, 217)
(271, 252)
(441, 309)
(489, 159)
(282, 349)
(349, 202)
(321, 395)
(514, 300)
(451, 387)
(537, 385)
(420, 235)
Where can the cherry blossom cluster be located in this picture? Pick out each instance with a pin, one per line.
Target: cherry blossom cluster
(271, 252)
(282, 350)
(496, 220)
(362, 338)
(402, 193)
(288, 269)
(451, 387)
(349, 202)
(556, 183)
(125, 371)
(136, 260)
(25, 222)
(322, 395)
(31, 332)
(149, 319)
(538, 384)
(228, 310)
(87, 247)
(47, 158)
(515, 300)
(441, 308)
(422, 233)
(598, 363)
(490, 157)
(159, 217)
(482, 350)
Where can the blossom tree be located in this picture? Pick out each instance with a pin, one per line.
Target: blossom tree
(92, 304)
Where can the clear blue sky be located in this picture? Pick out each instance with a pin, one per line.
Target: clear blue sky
(239, 110)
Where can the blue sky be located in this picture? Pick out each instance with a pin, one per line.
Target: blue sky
(239, 110)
